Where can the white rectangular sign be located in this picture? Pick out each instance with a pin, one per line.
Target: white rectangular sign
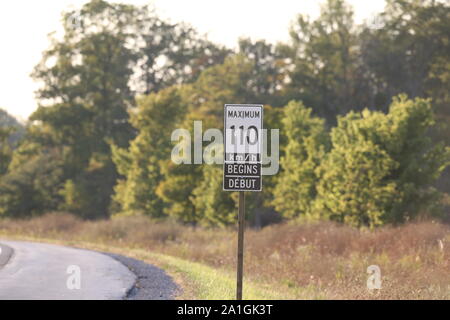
(243, 124)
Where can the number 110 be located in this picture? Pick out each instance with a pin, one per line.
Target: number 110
(247, 135)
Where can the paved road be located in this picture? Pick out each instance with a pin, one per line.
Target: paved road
(38, 271)
(5, 254)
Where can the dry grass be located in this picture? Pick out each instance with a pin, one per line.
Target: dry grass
(328, 259)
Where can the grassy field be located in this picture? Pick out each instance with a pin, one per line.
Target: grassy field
(285, 261)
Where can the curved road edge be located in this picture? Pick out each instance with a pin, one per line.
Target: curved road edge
(42, 271)
(152, 283)
(32, 258)
(5, 254)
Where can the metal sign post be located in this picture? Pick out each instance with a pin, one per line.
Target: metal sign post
(242, 164)
(240, 252)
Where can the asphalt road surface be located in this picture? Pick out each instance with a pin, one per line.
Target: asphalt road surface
(36, 271)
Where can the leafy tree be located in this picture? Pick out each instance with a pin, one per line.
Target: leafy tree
(32, 188)
(89, 81)
(307, 143)
(326, 71)
(215, 207)
(176, 190)
(260, 204)
(10, 123)
(120, 80)
(182, 186)
(5, 150)
(353, 187)
(381, 166)
(155, 119)
(408, 52)
(85, 99)
(269, 71)
(205, 97)
(193, 193)
(409, 38)
(170, 53)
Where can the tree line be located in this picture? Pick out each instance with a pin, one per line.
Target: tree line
(362, 111)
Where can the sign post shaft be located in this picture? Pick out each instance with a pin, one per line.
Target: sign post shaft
(240, 253)
(242, 165)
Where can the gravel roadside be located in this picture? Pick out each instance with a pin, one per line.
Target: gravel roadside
(152, 283)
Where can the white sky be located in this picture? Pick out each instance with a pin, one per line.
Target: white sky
(24, 26)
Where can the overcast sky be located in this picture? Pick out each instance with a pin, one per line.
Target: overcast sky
(24, 26)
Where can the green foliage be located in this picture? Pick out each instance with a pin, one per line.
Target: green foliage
(89, 81)
(325, 71)
(93, 188)
(169, 53)
(273, 120)
(10, 123)
(176, 190)
(85, 87)
(205, 98)
(381, 166)
(32, 189)
(5, 150)
(216, 86)
(410, 38)
(11, 131)
(212, 205)
(269, 71)
(379, 169)
(307, 143)
(156, 117)
(409, 52)
(352, 186)
(119, 82)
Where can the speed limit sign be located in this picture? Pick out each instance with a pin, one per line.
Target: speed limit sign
(243, 124)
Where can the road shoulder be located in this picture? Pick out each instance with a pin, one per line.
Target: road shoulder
(152, 283)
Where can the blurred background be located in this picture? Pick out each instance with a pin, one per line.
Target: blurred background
(91, 92)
